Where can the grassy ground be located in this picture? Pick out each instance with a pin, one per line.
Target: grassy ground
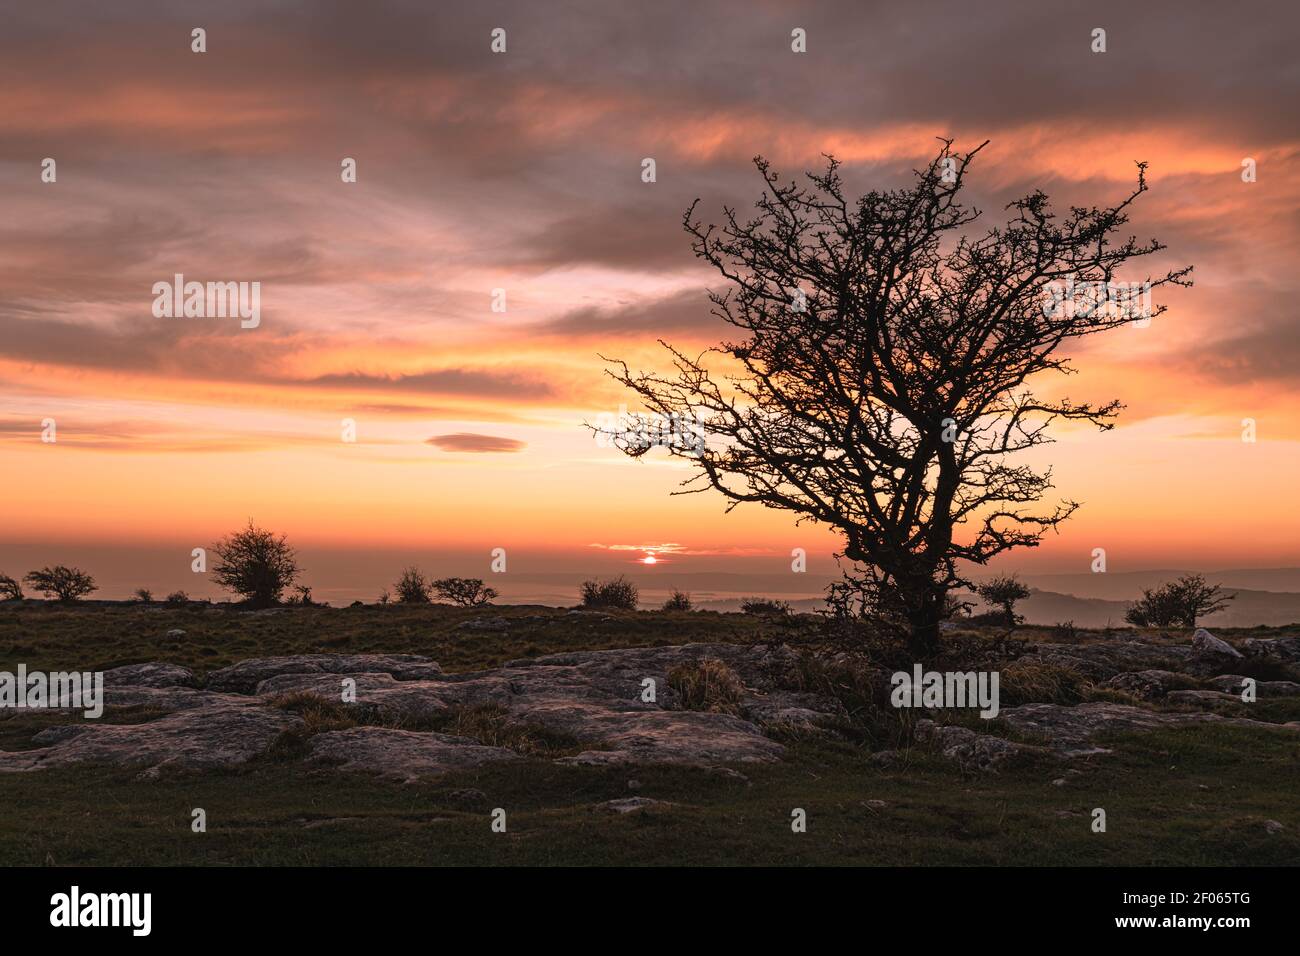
(1191, 797)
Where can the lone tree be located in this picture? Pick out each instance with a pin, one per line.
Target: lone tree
(1003, 593)
(879, 381)
(63, 583)
(1177, 603)
(257, 564)
(466, 592)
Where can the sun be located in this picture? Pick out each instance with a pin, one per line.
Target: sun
(649, 559)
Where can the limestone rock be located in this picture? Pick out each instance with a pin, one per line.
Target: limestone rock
(402, 755)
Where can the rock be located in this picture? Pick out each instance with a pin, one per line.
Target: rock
(634, 785)
(969, 749)
(1070, 730)
(403, 755)
(1201, 698)
(1234, 684)
(1206, 645)
(175, 632)
(875, 804)
(484, 624)
(218, 735)
(1272, 826)
(1104, 660)
(630, 805)
(1148, 684)
(150, 675)
(243, 678)
(1285, 649)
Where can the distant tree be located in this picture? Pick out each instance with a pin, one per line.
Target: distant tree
(764, 606)
(412, 587)
(618, 594)
(64, 583)
(178, 597)
(1177, 603)
(879, 380)
(1004, 592)
(143, 596)
(679, 601)
(10, 590)
(257, 564)
(467, 592)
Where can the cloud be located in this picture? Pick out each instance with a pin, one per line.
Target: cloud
(470, 442)
(451, 381)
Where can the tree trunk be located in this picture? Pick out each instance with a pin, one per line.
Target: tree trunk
(923, 620)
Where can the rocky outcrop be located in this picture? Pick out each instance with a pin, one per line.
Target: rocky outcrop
(604, 707)
(1072, 731)
(595, 698)
(401, 755)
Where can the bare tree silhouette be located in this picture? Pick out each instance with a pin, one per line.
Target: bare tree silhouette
(881, 380)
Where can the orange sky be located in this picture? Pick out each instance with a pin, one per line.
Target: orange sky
(522, 172)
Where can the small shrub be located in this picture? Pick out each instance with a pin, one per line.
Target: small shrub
(177, 598)
(143, 596)
(412, 587)
(10, 590)
(301, 597)
(61, 582)
(707, 685)
(763, 606)
(1177, 603)
(618, 594)
(466, 592)
(679, 601)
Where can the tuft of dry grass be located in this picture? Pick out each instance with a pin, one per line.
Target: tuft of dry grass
(1039, 682)
(492, 726)
(708, 685)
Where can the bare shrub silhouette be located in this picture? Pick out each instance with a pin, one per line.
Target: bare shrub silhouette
(466, 592)
(764, 606)
(61, 582)
(880, 380)
(10, 590)
(618, 594)
(412, 587)
(256, 564)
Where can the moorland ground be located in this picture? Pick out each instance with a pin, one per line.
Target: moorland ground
(1205, 795)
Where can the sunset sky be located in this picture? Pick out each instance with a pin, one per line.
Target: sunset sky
(521, 171)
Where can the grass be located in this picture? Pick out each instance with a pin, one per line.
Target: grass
(1194, 796)
(1171, 798)
(50, 637)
